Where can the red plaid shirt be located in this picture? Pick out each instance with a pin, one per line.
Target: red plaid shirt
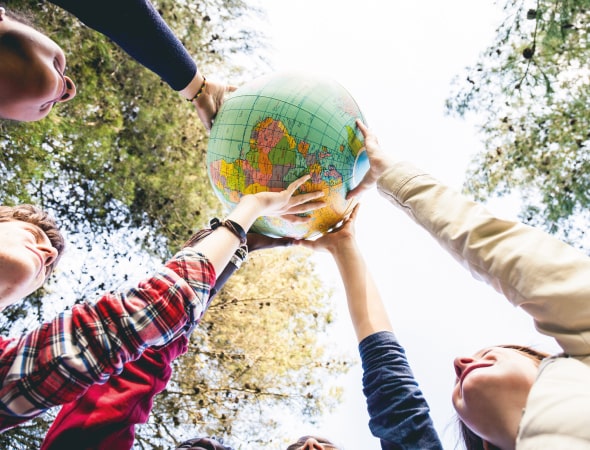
(59, 361)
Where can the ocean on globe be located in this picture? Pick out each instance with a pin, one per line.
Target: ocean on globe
(279, 127)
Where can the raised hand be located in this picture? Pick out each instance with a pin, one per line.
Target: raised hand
(209, 102)
(336, 239)
(283, 203)
(379, 161)
(286, 204)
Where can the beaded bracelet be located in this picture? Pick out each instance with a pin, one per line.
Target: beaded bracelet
(199, 92)
(232, 226)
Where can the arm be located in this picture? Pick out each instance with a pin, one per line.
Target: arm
(533, 270)
(58, 362)
(106, 415)
(151, 42)
(399, 414)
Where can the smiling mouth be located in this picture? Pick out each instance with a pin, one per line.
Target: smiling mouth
(471, 369)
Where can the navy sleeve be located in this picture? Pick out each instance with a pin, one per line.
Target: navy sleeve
(138, 28)
(399, 414)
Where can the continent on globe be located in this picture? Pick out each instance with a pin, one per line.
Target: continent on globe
(279, 127)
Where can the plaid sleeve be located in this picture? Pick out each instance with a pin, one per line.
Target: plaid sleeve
(57, 362)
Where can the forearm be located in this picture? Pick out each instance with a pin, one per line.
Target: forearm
(56, 363)
(222, 243)
(138, 29)
(367, 312)
(546, 277)
(106, 415)
(399, 413)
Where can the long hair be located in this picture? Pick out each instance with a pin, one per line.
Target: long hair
(471, 440)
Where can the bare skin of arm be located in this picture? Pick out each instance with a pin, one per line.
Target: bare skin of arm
(365, 305)
(221, 244)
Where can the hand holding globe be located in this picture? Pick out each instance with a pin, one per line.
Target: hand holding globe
(273, 130)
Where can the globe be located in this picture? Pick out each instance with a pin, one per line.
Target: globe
(279, 127)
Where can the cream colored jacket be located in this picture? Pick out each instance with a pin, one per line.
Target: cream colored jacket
(549, 279)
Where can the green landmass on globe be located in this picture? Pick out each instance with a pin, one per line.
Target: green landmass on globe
(277, 128)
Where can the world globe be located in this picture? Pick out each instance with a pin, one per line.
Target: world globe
(279, 127)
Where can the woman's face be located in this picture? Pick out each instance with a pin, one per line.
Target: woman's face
(32, 76)
(492, 385)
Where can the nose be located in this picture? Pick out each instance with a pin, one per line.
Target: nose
(70, 92)
(460, 363)
(312, 444)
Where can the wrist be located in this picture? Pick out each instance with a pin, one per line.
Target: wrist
(232, 226)
(343, 249)
(195, 87)
(246, 212)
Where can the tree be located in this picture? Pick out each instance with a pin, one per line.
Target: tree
(529, 92)
(123, 168)
(255, 357)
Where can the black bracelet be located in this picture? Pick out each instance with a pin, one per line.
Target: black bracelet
(199, 92)
(232, 226)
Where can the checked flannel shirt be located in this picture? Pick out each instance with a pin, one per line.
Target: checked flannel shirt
(60, 360)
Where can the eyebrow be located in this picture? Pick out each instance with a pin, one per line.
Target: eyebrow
(36, 231)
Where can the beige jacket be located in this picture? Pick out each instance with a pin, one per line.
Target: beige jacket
(549, 279)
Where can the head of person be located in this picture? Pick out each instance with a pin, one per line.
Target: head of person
(203, 443)
(313, 443)
(490, 393)
(30, 247)
(32, 76)
(303, 443)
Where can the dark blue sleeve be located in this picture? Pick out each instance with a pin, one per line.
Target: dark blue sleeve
(138, 29)
(399, 414)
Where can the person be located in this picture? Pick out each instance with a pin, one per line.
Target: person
(60, 360)
(32, 73)
(399, 414)
(106, 415)
(507, 397)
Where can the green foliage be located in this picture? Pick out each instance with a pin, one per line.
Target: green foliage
(123, 168)
(255, 353)
(530, 90)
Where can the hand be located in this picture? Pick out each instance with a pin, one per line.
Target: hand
(210, 101)
(336, 239)
(379, 161)
(257, 241)
(285, 204)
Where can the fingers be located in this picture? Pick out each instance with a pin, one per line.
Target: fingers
(306, 197)
(361, 126)
(297, 183)
(295, 219)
